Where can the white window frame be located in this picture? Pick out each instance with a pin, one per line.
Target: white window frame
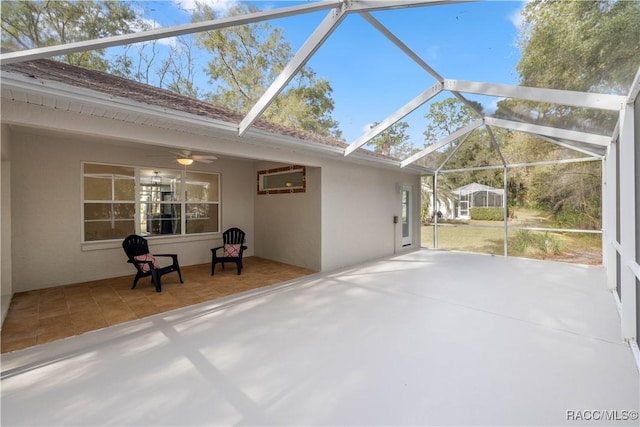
(182, 202)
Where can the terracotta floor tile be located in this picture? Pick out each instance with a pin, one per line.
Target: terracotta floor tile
(46, 315)
(114, 318)
(90, 324)
(55, 334)
(18, 344)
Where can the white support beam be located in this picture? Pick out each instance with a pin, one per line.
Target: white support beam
(444, 141)
(571, 135)
(627, 205)
(453, 152)
(520, 165)
(399, 114)
(403, 47)
(411, 54)
(160, 33)
(634, 90)
(609, 217)
(496, 146)
(370, 5)
(555, 96)
(570, 145)
(310, 46)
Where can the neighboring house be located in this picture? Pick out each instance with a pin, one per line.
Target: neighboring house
(476, 195)
(80, 152)
(445, 205)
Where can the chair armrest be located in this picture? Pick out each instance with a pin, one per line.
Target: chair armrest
(168, 255)
(216, 248)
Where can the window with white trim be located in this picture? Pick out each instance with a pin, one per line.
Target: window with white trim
(121, 200)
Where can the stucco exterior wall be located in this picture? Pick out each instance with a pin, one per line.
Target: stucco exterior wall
(6, 286)
(358, 206)
(288, 226)
(345, 217)
(46, 210)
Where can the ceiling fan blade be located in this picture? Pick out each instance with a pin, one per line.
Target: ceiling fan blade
(203, 158)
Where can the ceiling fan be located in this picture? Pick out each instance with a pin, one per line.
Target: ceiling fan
(186, 157)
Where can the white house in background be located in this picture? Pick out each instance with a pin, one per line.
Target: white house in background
(88, 157)
(476, 195)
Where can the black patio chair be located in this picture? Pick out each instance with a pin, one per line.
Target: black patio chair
(232, 249)
(137, 251)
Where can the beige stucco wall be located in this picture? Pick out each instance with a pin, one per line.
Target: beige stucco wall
(46, 209)
(5, 220)
(345, 217)
(358, 206)
(288, 226)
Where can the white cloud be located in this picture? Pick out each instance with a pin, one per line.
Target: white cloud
(367, 127)
(516, 17)
(151, 24)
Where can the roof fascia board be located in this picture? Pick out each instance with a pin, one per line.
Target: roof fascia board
(159, 33)
(301, 145)
(206, 125)
(571, 135)
(91, 97)
(393, 118)
(444, 141)
(310, 46)
(520, 165)
(564, 97)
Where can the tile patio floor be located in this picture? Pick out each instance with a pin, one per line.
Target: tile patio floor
(41, 316)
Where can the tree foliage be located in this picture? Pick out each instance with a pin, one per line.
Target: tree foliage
(588, 46)
(393, 141)
(580, 45)
(40, 23)
(246, 59)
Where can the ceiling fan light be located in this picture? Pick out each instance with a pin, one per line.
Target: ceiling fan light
(184, 161)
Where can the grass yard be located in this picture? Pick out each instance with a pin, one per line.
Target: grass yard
(488, 237)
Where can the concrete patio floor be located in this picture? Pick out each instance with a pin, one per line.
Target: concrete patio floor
(424, 338)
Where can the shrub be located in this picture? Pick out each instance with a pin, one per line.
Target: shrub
(526, 241)
(488, 214)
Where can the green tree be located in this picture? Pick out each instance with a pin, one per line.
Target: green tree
(40, 23)
(246, 59)
(393, 141)
(580, 45)
(446, 117)
(573, 45)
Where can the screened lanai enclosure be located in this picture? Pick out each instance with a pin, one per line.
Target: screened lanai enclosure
(477, 195)
(400, 63)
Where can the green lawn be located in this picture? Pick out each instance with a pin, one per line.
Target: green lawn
(488, 237)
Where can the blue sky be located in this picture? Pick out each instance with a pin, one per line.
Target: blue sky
(371, 77)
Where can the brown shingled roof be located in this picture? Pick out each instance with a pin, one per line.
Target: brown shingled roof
(47, 69)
